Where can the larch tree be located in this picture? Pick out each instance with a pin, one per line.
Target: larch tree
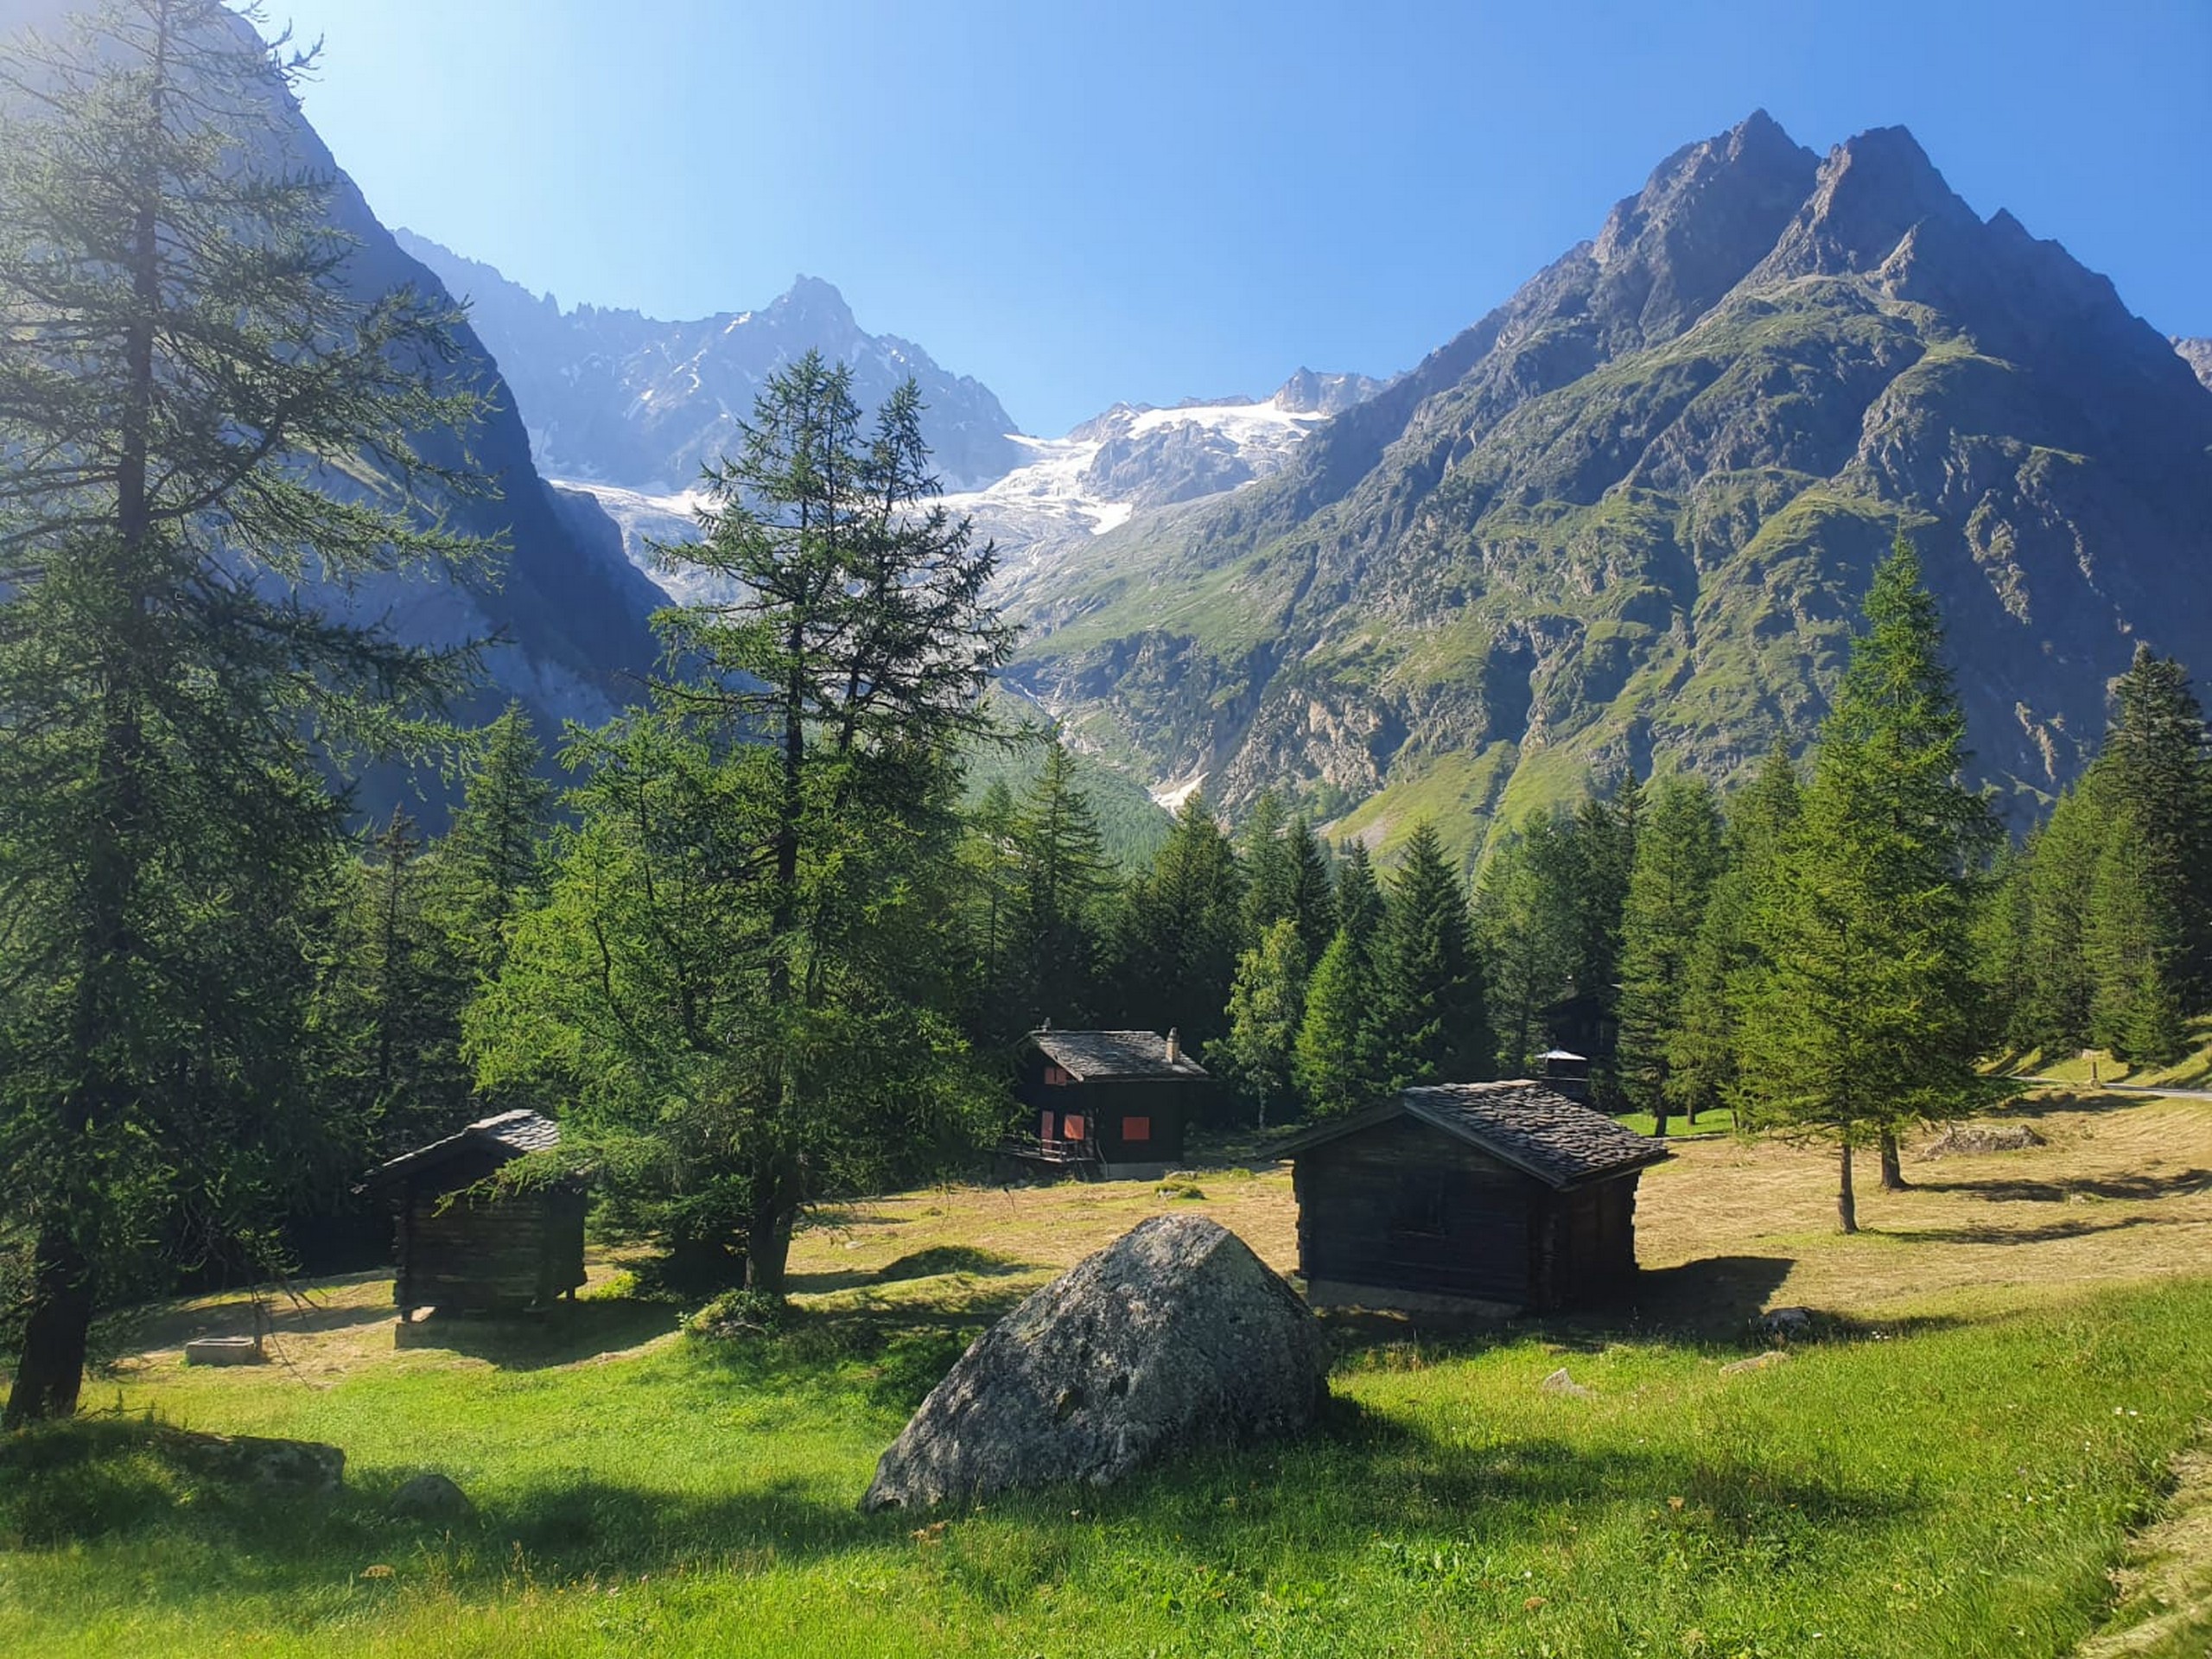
(189, 391)
(1867, 1014)
(795, 783)
(1178, 930)
(1059, 877)
(1334, 1064)
(1267, 1004)
(1525, 924)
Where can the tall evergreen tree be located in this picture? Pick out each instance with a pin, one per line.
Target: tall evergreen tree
(1178, 930)
(186, 380)
(2060, 875)
(491, 863)
(1060, 874)
(1525, 921)
(994, 1001)
(1269, 869)
(1678, 857)
(1866, 1013)
(2156, 770)
(1336, 1065)
(2134, 952)
(1313, 894)
(1430, 1020)
(1725, 962)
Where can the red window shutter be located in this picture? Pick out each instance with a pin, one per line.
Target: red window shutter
(1057, 1076)
(1045, 1126)
(1137, 1128)
(1075, 1126)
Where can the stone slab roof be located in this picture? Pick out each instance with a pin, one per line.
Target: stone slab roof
(494, 1140)
(1534, 1129)
(1087, 1055)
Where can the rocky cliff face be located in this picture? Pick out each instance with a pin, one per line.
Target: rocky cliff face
(613, 397)
(2197, 353)
(1628, 516)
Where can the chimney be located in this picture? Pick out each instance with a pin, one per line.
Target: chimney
(1174, 1046)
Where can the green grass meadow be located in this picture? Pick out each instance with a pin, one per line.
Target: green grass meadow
(1957, 1487)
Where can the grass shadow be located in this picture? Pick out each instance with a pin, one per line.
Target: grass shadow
(564, 1335)
(2119, 1188)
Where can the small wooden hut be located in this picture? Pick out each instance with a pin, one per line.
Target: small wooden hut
(1566, 1073)
(1110, 1104)
(490, 1250)
(1488, 1198)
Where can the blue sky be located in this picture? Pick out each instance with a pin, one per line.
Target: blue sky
(1155, 199)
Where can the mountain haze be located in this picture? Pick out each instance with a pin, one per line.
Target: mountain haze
(562, 613)
(1628, 516)
(617, 398)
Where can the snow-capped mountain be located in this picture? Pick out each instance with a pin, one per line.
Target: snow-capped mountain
(614, 396)
(1136, 458)
(1133, 459)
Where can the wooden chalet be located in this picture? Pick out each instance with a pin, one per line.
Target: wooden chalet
(490, 1249)
(1488, 1198)
(1109, 1103)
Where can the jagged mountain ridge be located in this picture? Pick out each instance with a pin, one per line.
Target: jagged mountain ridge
(614, 396)
(1628, 516)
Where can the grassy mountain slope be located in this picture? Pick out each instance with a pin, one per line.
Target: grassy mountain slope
(1628, 517)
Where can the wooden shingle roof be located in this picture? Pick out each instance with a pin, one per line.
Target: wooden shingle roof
(488, 1142)
(1088, 1055)
(1536, 1130)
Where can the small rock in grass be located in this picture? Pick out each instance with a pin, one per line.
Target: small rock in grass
(1560, 1383)
(1788, 1322)
(1757, 1362)
(251, 1460)
(431, 1497)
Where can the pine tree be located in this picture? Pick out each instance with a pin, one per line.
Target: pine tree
(1525, 921)
(1724, 961)
(2133, 952)
(1312, 895)
(1269, 870)
(1678, 857)
(1335, 1066)
(1867, 1012)
(187, 381)
(1060, 876)
(1430, 1021)
(2156, 770)
(1265, 1007)
(994, 1003)
(491, 863)
(2061, 863)
(1176, 932)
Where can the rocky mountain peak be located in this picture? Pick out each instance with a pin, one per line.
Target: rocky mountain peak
(1308, 393)
(1872, 191)
(814, 306)
(1704, 218)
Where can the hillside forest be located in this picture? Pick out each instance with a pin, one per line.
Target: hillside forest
(769, 937)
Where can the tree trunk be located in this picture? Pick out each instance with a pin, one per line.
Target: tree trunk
(1846, 1201)
(1893, 1170)
(768, 1235)
(1659, 1117)
(51, 1370)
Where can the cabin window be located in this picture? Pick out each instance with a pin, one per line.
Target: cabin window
(1072, 1126)
(1421, 1204)
(1057, 1076)
(1045, 1126)
(1137, 1128)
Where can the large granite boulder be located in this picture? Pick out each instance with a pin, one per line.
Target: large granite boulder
(1173, 1337)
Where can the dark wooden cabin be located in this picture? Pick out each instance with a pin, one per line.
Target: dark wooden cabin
(1472, 1197)
(1113, 1103)
(488, 1251)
